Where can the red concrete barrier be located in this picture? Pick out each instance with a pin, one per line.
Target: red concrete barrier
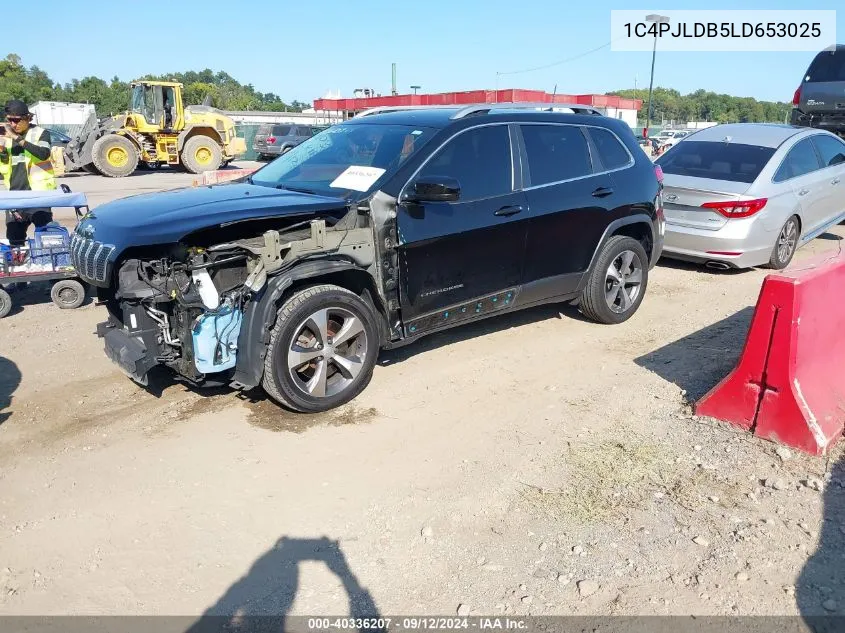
(789, 384)
(222, 175)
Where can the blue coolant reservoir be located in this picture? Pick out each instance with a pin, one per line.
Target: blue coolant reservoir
(215, 337)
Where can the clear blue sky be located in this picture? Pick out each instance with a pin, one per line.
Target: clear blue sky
(301, 50)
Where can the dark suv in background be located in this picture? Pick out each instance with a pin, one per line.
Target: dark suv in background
(273, 140)
(820, 99)
(385, 228)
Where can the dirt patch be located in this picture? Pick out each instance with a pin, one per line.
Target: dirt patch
(266, 414)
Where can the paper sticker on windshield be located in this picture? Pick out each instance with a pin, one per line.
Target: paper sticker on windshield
(357, 178)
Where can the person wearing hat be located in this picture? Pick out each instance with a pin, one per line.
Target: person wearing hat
(25, 165)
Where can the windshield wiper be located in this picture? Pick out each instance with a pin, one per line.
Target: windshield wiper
(296, 189)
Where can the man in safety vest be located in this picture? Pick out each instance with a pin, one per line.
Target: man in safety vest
(25, 165)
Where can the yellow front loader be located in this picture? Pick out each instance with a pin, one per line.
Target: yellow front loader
(157, 130)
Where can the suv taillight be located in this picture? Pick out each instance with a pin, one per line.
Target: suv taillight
(737, 208)
(796, 98)
(271, 139)
(658, 171)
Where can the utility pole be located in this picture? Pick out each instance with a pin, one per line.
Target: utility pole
(657, 19)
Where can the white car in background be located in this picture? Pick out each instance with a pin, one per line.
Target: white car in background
(668, 138)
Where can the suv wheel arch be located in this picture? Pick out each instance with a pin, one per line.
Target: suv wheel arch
(260, 315)
(631, 226)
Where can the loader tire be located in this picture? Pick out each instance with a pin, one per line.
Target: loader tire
(115, 156)
(201, 154)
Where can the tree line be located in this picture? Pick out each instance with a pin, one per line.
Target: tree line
(701, 105)
(110, 97)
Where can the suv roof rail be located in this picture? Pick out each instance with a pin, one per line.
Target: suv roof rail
(484, 108)
(380, 109)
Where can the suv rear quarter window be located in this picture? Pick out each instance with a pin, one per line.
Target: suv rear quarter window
(612, 153)
(735, 162)
(281, 130)
(827, 66)
(556, 153)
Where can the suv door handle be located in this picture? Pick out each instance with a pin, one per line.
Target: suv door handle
(602, 192)
(508, 211)
(803, 192)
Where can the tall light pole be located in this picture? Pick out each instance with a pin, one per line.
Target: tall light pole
(657, 19)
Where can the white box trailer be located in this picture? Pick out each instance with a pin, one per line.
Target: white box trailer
(49, 113)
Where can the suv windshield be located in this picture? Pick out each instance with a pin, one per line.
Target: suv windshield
(735, 162)
(827, 66)
(343, 158)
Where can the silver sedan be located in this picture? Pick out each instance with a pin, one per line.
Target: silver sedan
(749, 194)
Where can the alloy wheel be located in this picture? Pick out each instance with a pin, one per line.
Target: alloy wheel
(327, 352)
(787, 240)
(623, 281)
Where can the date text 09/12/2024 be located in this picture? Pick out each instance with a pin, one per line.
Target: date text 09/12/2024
(809, 30)
(416, 624)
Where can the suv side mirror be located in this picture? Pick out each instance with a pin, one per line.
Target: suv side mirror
(433, 189)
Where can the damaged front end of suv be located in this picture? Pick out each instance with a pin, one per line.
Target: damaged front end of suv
(193, 280)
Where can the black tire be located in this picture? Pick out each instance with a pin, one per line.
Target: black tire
(594, 298)
(68, 294)
(201, 153)
(5, 303)
(278, 380)
(286, 150)
(115, 156)
(91, 169)
(781, 257)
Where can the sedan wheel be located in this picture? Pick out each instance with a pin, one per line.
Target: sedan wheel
(786, 244)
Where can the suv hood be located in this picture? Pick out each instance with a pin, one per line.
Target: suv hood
(167, 217)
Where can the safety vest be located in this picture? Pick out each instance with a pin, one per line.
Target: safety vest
(39, 172)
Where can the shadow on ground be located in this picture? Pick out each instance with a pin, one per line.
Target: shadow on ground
(820, 589)
(10, 379)
(262, 599)
(697, 362)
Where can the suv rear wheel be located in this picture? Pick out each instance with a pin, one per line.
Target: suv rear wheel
(617, 283)
(322, 350)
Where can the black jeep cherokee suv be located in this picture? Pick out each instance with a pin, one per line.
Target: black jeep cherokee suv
(380, 230)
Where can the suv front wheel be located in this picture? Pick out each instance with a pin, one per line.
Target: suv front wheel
(617, 282)
(322, 349)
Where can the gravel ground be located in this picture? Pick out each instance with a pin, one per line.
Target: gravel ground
(531, 464)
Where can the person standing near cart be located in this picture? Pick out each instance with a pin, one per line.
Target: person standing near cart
(25, 165)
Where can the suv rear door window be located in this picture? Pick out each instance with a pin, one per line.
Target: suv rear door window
(281, 130)
(735, 162)
(801, 159)
(831, 149)
(612, 153)
(264, 130)
(556, 153)
(827, 66)
(480, 159)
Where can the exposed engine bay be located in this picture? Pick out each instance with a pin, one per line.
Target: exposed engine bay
(184, 305)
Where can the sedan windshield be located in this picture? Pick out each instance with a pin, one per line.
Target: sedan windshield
(736, 162)
(344, 159)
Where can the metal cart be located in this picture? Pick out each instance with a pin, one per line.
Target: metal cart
(17, 264)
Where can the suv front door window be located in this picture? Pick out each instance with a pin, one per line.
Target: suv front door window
(463, 250)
